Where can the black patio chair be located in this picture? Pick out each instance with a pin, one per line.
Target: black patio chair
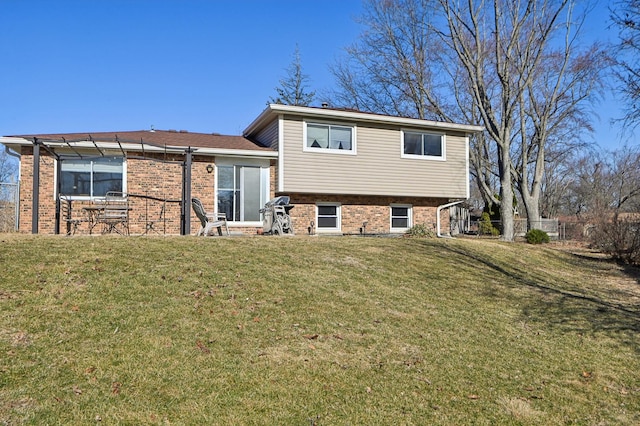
(66, 215)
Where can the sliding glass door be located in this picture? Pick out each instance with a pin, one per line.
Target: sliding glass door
(240, 192)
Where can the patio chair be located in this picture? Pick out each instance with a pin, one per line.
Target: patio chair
(66, 215)
(150, 225)
(208, 221)
(115, 215)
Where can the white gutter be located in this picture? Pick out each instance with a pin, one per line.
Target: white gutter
(444, 206)
(11, 140)
(235, 152)
(328, 113)
(129, 146)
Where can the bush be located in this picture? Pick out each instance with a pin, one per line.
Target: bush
(485, 227)
(619, 238)
(420, 231)
(537, 236)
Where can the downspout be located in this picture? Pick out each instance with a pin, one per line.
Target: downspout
(444, 206)
(11, 153)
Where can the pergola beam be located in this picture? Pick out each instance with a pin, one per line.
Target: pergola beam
(50, 146)
(35, 201)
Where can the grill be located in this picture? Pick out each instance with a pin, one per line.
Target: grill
(276, 216)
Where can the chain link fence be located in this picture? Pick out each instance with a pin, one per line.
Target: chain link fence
(520, 226)
(9, 204)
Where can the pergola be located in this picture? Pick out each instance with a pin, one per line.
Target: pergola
(87, 148)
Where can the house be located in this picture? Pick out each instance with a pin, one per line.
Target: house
(345, 171)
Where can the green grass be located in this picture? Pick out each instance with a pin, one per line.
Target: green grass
(324, 331)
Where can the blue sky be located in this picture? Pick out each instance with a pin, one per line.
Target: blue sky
(206, 66)
(202, 66)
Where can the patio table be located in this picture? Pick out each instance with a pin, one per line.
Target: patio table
(93, 212)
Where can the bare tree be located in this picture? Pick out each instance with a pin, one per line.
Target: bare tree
(493, 63)
(606, 192)
(293, 88)
(626, 16)
(8, 166)
(553, 115)
(603, 184)
(558, 177)
(8, 174)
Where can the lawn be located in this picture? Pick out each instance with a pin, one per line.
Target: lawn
(314, 331)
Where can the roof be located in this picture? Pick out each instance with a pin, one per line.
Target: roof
(274, 110)
(171, 138)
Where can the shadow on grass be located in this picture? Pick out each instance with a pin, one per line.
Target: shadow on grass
(629, 270)
(567, 304)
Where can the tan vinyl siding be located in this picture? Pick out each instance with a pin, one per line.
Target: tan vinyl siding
(269, 135)
(377, 169)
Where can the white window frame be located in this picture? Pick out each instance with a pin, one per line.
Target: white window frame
(91, 196)
(351, 151)
(409, 208)
(265, 174)
(338, 207)
(443, 145)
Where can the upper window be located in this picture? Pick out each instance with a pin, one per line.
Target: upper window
(92, 177)
(427, 145)
(329, 137)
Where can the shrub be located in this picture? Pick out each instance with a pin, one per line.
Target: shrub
(485, 227)
(537, 236)
(619, 238)
(420, 231)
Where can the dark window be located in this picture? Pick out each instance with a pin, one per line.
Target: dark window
(324, 136)
(400, 217)
(91, 177)
(328, 217)
(425, 144)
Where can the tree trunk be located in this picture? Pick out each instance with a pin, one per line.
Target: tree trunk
(506, 195)
(532, 207)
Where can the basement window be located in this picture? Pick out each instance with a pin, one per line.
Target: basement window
(400, 217)
(328, 217)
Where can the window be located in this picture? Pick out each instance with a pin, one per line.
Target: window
(329, 137)
(400, 218)
(92, 177)
(423, 144)
(241, 192)
(328, 217)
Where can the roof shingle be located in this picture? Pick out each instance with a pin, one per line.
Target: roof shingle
(162, 138)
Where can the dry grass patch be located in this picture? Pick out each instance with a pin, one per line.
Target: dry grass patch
(520, 409)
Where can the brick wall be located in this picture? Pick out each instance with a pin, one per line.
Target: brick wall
(375, 210)
(47, 205)
(161, 178)
(157, 176)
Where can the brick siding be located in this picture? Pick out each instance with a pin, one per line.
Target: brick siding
(375, 210)
(161, 177)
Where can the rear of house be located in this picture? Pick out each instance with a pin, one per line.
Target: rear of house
(350, 172)
(346, 172)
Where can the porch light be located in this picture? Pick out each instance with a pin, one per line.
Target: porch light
(209, 168)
